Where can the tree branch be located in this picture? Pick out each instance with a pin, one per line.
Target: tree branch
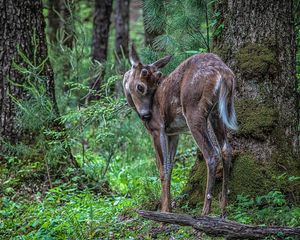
(214, 226)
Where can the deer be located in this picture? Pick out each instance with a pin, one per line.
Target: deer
(200, 91)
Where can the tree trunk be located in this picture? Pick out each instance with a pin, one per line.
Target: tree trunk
(122, 28)
(23, 27)
(59, 21)
(256, 39)
(101, 23)
(122, 40)
(20, 20)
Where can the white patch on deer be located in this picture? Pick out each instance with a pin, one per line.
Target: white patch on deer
(209, 196)
(218, 83)
(195, 77)
(217, 149)
(127, 87)
(174, 100)
(224, 148)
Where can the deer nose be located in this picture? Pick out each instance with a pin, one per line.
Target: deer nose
(146, 116)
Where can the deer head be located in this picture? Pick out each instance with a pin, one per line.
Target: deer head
(140, 83)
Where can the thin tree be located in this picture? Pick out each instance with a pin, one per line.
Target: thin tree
(122, 28)
(257, 40)
(122, 39)
(101, 24)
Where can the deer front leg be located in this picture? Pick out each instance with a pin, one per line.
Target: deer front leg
(172, 147)
(168, 146)
(165, 148)
(167, 170)
(165, 185)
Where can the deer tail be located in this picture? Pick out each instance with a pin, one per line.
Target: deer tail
(226, 104)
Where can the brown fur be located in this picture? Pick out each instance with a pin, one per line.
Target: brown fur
(184, 101)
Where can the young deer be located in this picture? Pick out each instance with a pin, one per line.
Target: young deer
(199, 90)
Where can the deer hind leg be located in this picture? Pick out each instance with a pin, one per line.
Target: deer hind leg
(197, 122)
(226, 152)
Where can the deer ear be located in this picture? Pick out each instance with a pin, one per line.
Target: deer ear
(133, 56)
(162, 62)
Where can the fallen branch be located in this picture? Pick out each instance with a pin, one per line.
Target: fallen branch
(214, 226)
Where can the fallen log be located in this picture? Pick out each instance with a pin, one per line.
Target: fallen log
(215, 226)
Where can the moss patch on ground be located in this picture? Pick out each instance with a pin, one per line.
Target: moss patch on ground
(247, 177)
(255, 119)
(256, 60)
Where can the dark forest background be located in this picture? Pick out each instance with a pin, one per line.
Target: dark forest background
(76, 161)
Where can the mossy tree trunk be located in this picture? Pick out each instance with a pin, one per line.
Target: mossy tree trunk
(256, 39)
(23, 31)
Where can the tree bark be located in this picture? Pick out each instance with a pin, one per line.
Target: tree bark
(20, 20)
(23, 29)
(122, 28)
(220, 227)
(122, 40)
(257, 40)
(101, 24)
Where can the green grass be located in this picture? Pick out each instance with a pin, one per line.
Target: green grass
(67, 213)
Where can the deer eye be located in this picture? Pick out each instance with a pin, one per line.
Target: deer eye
(158, 74)
(140, 88)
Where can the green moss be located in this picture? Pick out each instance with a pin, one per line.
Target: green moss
(283, 156)
(194, 191)
(256, 60)
(255, 119)
(248, 177)
(196, 184)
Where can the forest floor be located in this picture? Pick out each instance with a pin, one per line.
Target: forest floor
(68, 211)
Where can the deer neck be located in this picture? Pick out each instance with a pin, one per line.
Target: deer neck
(167, 106)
